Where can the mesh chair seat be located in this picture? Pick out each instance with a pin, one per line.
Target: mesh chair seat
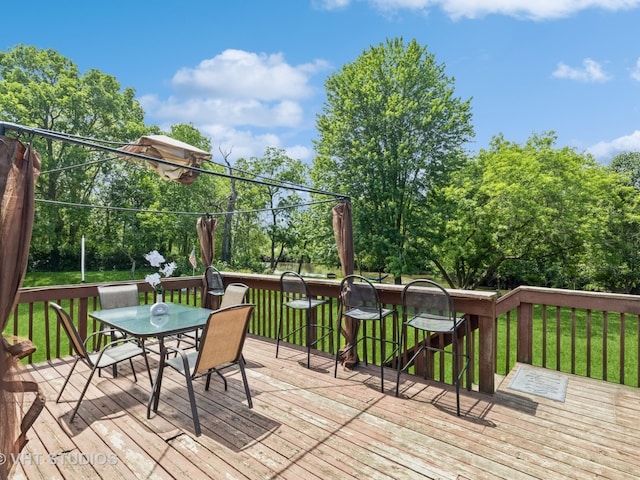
(113, 355)
(305, 303)
(433, 323)
(363, 313)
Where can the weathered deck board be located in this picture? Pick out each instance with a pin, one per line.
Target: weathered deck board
(308, 424)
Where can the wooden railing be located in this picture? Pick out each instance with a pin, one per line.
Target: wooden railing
(531, 323)
(586, 333)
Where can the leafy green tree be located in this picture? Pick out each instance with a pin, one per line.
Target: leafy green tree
(391, 130)
(276, 171)
(41, 88)
(628, 163)
(534, 204)
(613, 263)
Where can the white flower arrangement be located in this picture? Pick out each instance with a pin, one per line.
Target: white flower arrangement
(155, 279)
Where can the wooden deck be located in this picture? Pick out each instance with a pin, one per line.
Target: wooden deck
(307, 425)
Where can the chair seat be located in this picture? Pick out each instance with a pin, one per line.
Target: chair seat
(305, 303)
(433, 323)
(362, 313)
(216, 292)
(113, 355)
(178, 363)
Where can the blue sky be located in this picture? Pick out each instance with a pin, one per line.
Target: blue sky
(250, 74)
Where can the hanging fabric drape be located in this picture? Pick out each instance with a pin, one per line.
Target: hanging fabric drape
(206, 228)
(19, 169)
(179, 153)
(343, 232)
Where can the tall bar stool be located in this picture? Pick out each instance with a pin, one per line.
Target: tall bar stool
(295, 295)
(215, 284)
(427, 307)
(359, 300)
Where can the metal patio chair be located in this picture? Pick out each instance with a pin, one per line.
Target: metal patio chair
(295, 295)
(220, 347)
(428, 308)
(234, 294)
(112, 353)
(215, 284)
(359, 300)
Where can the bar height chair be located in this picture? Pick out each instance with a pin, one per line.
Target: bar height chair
(295, 295)
(215, 284)
(428, 308)
(359, 300)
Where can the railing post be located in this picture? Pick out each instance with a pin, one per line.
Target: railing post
(486, 350)
(524, 352)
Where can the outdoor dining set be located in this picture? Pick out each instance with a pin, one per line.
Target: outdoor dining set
(198, 342)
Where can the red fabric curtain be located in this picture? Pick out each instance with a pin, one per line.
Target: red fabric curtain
(343, 232)
(19, 169)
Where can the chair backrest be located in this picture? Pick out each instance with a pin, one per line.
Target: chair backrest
(234, 294)
(358, 292)
(116, 296)
(70, 329)
(215, 285)
(427, 297)
(223, 337)
(293, 287)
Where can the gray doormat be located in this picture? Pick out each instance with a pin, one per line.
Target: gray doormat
(540, 382)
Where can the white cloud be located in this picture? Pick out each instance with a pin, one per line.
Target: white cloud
(605, 151)
(240, 74)
(243, 100)
(536, 10)
(635, 72)
(591, 71)
(330, 4)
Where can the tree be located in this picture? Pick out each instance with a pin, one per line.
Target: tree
(228, 216)
(41, 88)
(628, 163)
(391, 130)
(276, 170)
(532, 204)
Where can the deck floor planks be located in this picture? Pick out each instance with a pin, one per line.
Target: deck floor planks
(363, 400)
(560, 434)
(306, 424)
(101, 427)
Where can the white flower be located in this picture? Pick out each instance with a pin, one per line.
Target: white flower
(156, 260)
(153, 279)
(168, 269)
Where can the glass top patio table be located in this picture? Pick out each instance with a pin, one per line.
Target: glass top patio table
(137, 321)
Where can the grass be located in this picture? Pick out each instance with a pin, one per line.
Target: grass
(46, 279)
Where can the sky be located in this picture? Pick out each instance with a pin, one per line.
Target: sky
(250, 74)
